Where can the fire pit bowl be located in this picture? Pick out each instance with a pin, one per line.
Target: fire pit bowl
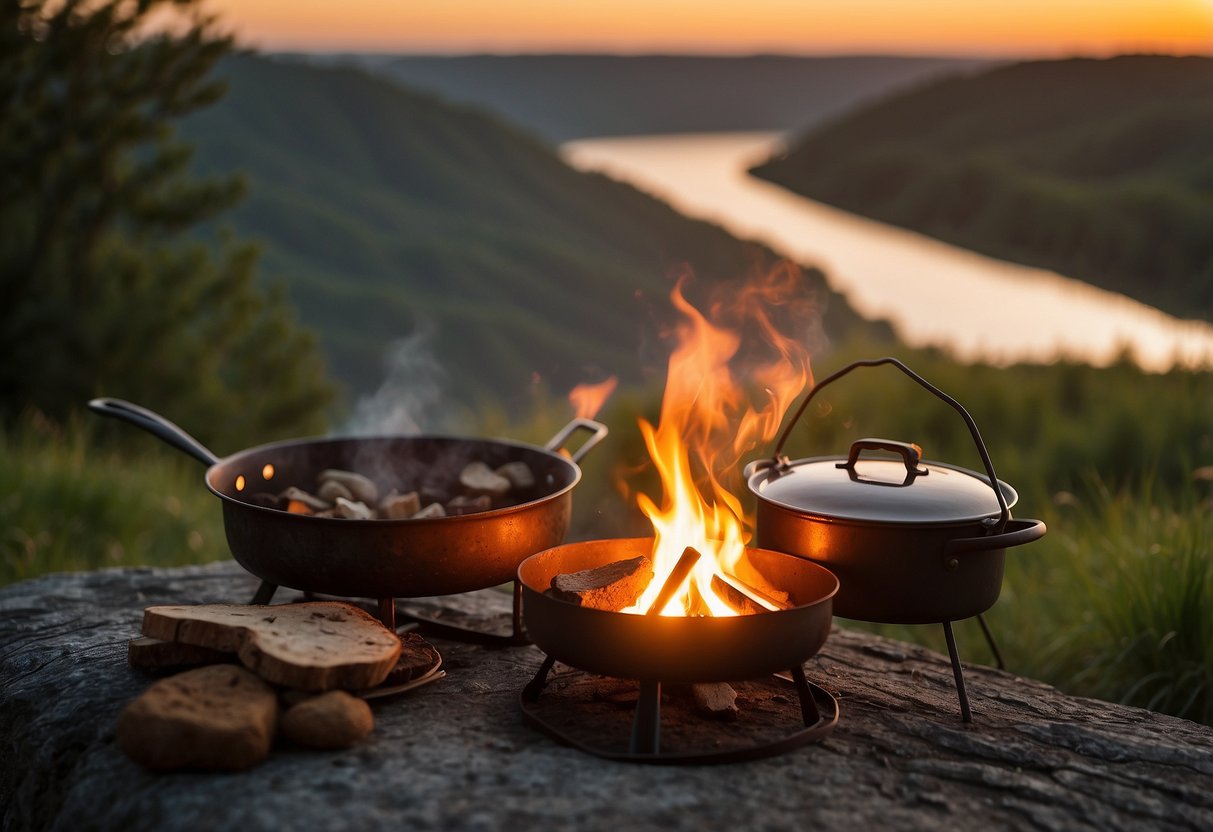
(669, 649)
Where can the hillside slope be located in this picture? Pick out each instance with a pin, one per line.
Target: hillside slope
(384, 211)
(563, 97)
(1099, 169)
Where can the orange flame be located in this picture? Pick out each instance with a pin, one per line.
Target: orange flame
(588, 399)
(708, 423)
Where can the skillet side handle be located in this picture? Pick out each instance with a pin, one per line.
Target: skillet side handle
(1018, 533)
(154, 424)
(597, 429)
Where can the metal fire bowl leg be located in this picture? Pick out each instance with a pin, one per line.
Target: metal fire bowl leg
(515, 638)
(820, 703)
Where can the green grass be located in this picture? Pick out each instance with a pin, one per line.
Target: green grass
(70, 501)
(1142, 568)
(1115, 602)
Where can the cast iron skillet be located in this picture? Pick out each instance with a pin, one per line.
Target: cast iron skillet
(380, 558)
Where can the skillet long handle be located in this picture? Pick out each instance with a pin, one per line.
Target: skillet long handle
(154, 424)
(598, 429)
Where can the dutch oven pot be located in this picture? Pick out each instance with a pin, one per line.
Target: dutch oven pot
(911, 541)
(379, 558)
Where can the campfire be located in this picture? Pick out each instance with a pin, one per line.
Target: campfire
(693, 605)
(710, 419)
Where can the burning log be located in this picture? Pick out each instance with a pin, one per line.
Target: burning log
(754, 584)
(611, 587)
(697, 605)
(745, 599)
(737, 600)
(680, 572)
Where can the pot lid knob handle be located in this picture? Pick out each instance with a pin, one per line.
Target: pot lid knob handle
(910, 454)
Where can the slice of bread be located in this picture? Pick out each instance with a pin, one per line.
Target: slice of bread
(319, 645)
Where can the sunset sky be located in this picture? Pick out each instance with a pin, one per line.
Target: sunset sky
(1037, 28)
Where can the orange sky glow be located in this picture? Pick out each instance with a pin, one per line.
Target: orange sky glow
(1029, 28)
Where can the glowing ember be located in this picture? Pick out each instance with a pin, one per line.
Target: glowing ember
(588, 399)
(708, 423)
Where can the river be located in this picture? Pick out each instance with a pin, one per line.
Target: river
(934, 294)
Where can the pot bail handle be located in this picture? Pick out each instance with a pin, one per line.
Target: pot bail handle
(1004, 513)
(597, 429)
(154, 424)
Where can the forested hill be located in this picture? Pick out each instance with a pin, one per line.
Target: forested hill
(563, 97)
(1099, 169)
(383, 210)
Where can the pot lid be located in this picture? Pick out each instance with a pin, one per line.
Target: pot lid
(905, 490)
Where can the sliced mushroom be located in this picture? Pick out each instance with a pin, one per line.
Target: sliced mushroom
(432, 510)
(351, 510)
(396, 506)
(478, 478)
(469, 505)
(359, 486)
(330, 490)
(518, 473)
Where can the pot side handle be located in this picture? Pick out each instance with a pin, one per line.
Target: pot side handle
(154, 424)
(597, 429)
(1018, 532)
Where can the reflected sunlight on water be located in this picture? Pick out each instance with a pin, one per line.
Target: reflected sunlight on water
(933, 293)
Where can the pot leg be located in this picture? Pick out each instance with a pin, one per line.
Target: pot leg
(265, 593)
(981, 619)
(646, 725)
(387, 613)
(965, 714)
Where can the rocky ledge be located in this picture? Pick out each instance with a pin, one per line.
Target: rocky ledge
(456, 754)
